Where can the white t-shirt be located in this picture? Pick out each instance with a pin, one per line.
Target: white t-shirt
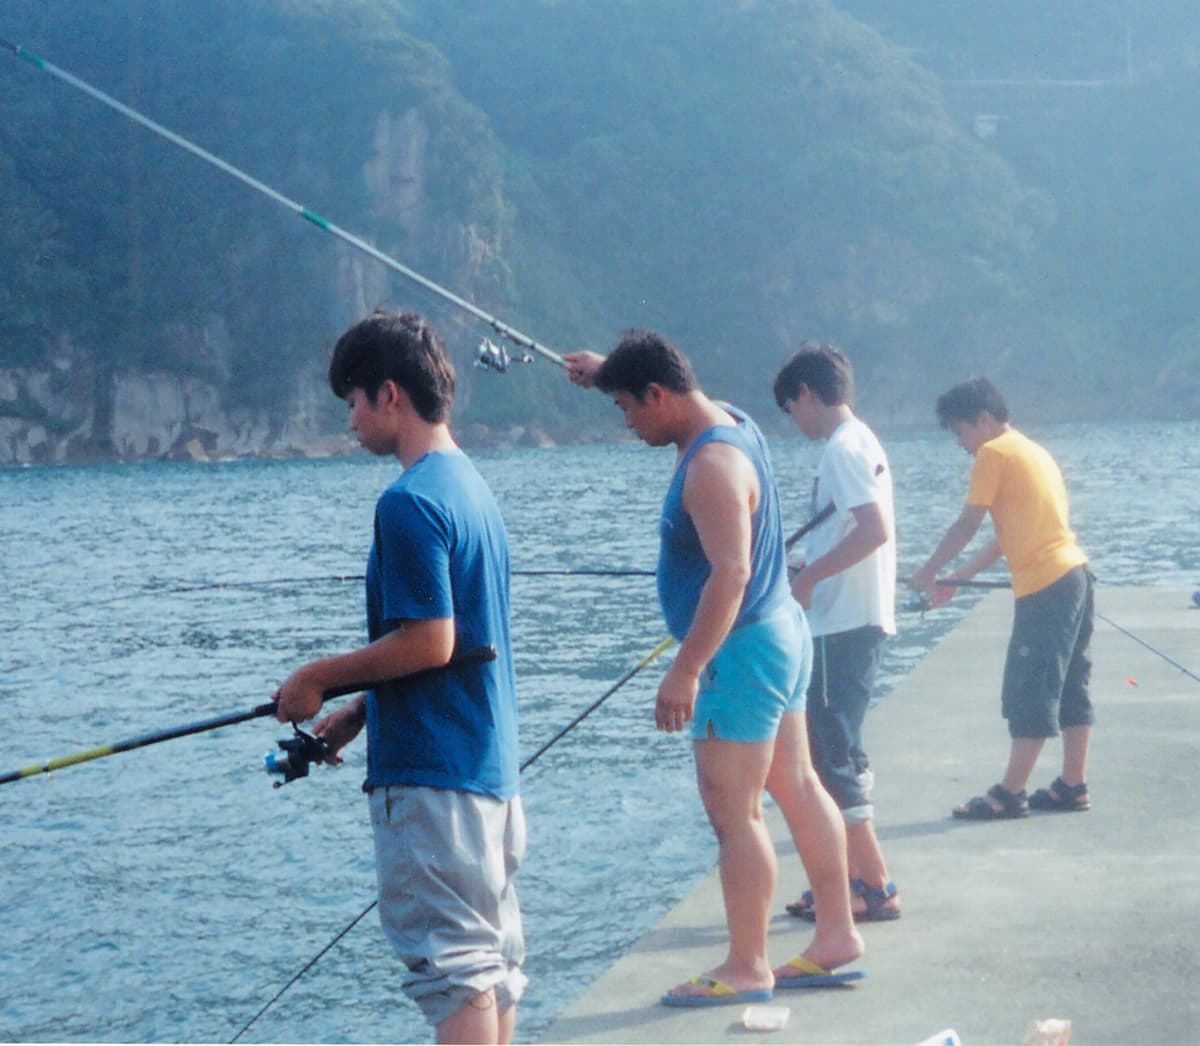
(852, 472)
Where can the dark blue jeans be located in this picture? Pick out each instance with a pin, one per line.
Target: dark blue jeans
(844, 667)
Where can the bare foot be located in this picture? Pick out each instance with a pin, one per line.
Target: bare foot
(739, 978)
(828, 952)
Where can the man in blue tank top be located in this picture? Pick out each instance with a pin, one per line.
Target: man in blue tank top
(441, 748)
(738, 681)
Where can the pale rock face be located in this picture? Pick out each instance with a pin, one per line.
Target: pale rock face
(64, 412)
(153, 415)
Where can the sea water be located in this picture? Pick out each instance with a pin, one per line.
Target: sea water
(166, 894)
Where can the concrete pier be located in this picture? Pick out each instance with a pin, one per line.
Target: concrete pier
(1089, 917)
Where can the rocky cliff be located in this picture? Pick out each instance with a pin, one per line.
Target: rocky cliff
(60, 416)
(76, 405)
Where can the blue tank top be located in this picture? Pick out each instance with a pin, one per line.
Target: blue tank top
(682, 566)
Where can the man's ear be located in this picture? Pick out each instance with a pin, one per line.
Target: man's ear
(390, 394)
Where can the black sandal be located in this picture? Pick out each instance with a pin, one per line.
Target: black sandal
(1061, 797)
(805, 908)
(877, 898)
(1012, 804)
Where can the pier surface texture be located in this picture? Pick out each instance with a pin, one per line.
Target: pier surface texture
(1087, 917)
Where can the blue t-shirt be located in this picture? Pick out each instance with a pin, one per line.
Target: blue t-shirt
(441, 551)
(682, 566)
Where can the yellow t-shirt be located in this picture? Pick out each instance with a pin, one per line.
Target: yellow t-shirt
(1019, 483)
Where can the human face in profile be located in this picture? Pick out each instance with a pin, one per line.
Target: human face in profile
(643, 416)
(372, 420)
(972, 435)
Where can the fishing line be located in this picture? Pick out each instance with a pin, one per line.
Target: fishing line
(1102, 617)
(314, 579)
(467, 657)
(498, 362)
(650, 657)
(210, 586)
(1154, 650)
(665, 644)
(307, 966)
(655, 653)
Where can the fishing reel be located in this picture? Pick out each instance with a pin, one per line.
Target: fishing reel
(298, 752)
(918, 603)
(493, 357)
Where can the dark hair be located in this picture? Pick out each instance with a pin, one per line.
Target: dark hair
(823, 368)
(640, 359)
(967, 400)
(400, 347)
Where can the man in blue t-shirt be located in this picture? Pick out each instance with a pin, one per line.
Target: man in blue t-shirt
(738, 681)
(442, 767)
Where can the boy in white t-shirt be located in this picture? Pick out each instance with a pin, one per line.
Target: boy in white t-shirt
(847, 586)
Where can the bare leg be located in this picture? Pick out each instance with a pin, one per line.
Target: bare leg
(1021, 761)
(866, 862)
(864, 856)
(1076, 740)
(820, 837)
(1022, 758)
(478, 1022)
(731, 776)
(507, 1025)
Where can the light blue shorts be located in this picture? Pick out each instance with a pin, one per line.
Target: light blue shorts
(760, 673)
(445, 862)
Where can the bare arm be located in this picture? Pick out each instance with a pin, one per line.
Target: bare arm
(956, 538)
(582, 367)
(720, 494)
(870, 531)
(414, 647)
(982, 559)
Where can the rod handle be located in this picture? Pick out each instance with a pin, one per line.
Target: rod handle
(475, 656)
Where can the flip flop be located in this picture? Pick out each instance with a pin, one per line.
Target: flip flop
(810, 975)
(721, 994)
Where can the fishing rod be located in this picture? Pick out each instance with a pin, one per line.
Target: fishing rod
(944, 582)
(648, 659)
(816, 521)
(489, 356)
(289, 768)
(922, 604)
(663, 646)
(654, 654)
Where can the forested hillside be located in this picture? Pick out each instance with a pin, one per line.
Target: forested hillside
(740, 174)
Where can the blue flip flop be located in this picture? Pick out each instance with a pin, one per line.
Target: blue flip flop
(810, 975)
(722, 994)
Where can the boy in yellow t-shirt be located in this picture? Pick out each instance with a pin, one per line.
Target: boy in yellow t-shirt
(1047, 670)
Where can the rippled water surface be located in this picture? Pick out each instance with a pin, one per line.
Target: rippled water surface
(167, 893)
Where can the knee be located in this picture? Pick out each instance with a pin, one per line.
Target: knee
(797, 787)
(729, 819)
